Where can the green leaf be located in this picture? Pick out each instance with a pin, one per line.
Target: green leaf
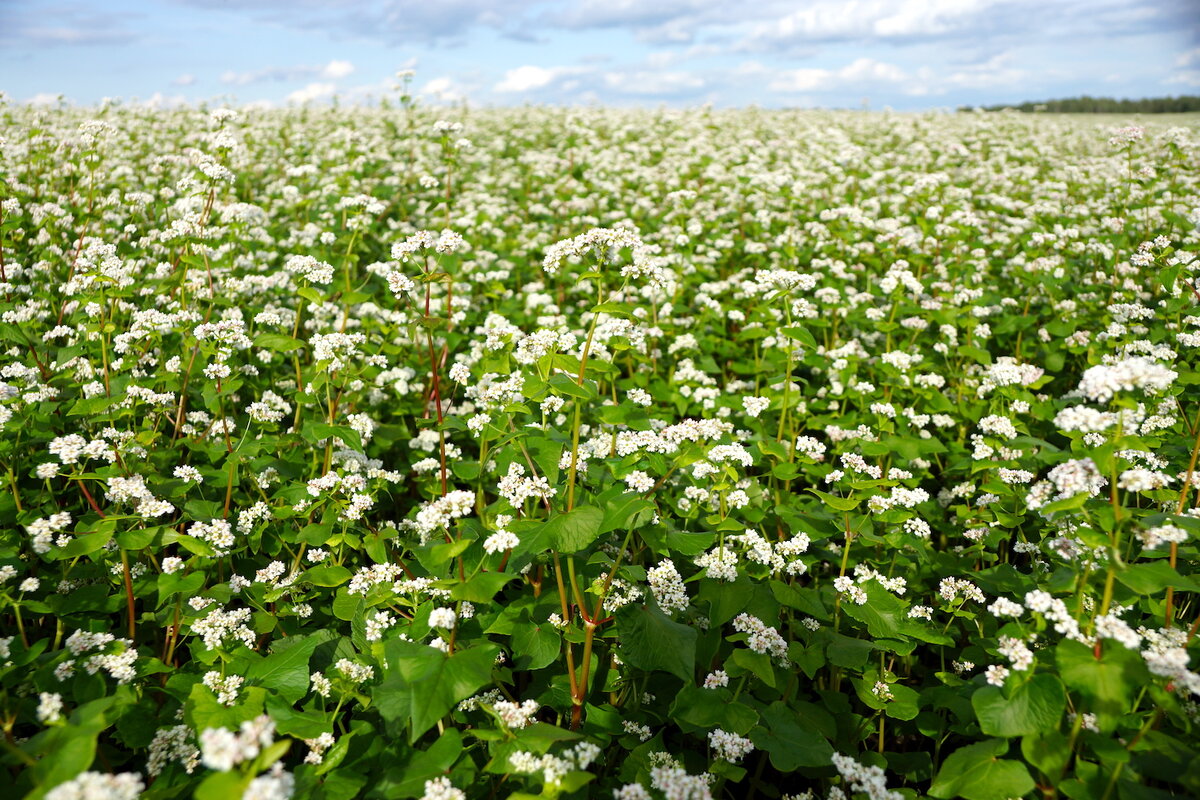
(727, 600)
(535, 645)
(845, 651)
(327, 575)
(423, 684)
(788, 742)
(613, 309)
(980, 355)
(136, 540)
(905, 703)
(91, 406)
(803, 599)
(443, 553)
(883, 613)
(408, 780)
(286, 672)
(1153, 577)
(1035, 706)
(171, 585)
(466, 470)
(1067, 504)
(223, 785)
(315, 534)
(706, 709)
(1047, 751)
(342, 784)
(347, 606)
(651, 640)
(299, 724)
(566, 385)
(481, 588)
(83, 545)
(835, 502)
(203, 711)
(625, 511)
(545, 453)
(800, 334)
(316, 431)
(69, 749)
(758, 664)
(974, 772)
(278, 342)
(1109, 682)
(310, 294)
(336, 754)
(575, 530)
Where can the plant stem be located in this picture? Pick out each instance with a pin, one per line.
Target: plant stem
(1183, 494)
(129, 592)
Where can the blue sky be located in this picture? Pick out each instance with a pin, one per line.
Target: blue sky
(906, 54)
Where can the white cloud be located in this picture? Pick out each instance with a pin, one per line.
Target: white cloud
(74, 36)
(44, 99)
(1187, 77)
(526, 78)
(1187, 69)
(867, 70)
(160, 100)
(444, 89)
(661, 59)
(802, 80)
(653, 83)
(332, 71)
(929, 17)
(675, 51)
(997, 71)
(390, 21)
(337, 69)
(1189, 59)
(529, 78)
(880, 77)
(312, 92)
(862, 73)
(879, 21)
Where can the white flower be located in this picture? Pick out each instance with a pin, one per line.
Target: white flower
(50, 706)
(869, 780)
(278, 784)
(222, 749)
(500, 541)
(188, 474)
(720, 564)
(1101, 382)
(755, 405)
(667, 586)
(99, 786)
(516, 715)
(442, 789)
(442, 618)
(309, 269)
(729, 746)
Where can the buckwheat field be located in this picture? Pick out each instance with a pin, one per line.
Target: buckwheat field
(413, 452)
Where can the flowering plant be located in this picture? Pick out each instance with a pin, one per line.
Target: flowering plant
(592, 453)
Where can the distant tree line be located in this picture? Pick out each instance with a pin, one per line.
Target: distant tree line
(1104, 105)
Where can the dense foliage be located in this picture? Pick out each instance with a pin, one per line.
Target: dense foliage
(1108, 105)
(407, 452)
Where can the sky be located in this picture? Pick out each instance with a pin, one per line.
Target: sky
(902, 54)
